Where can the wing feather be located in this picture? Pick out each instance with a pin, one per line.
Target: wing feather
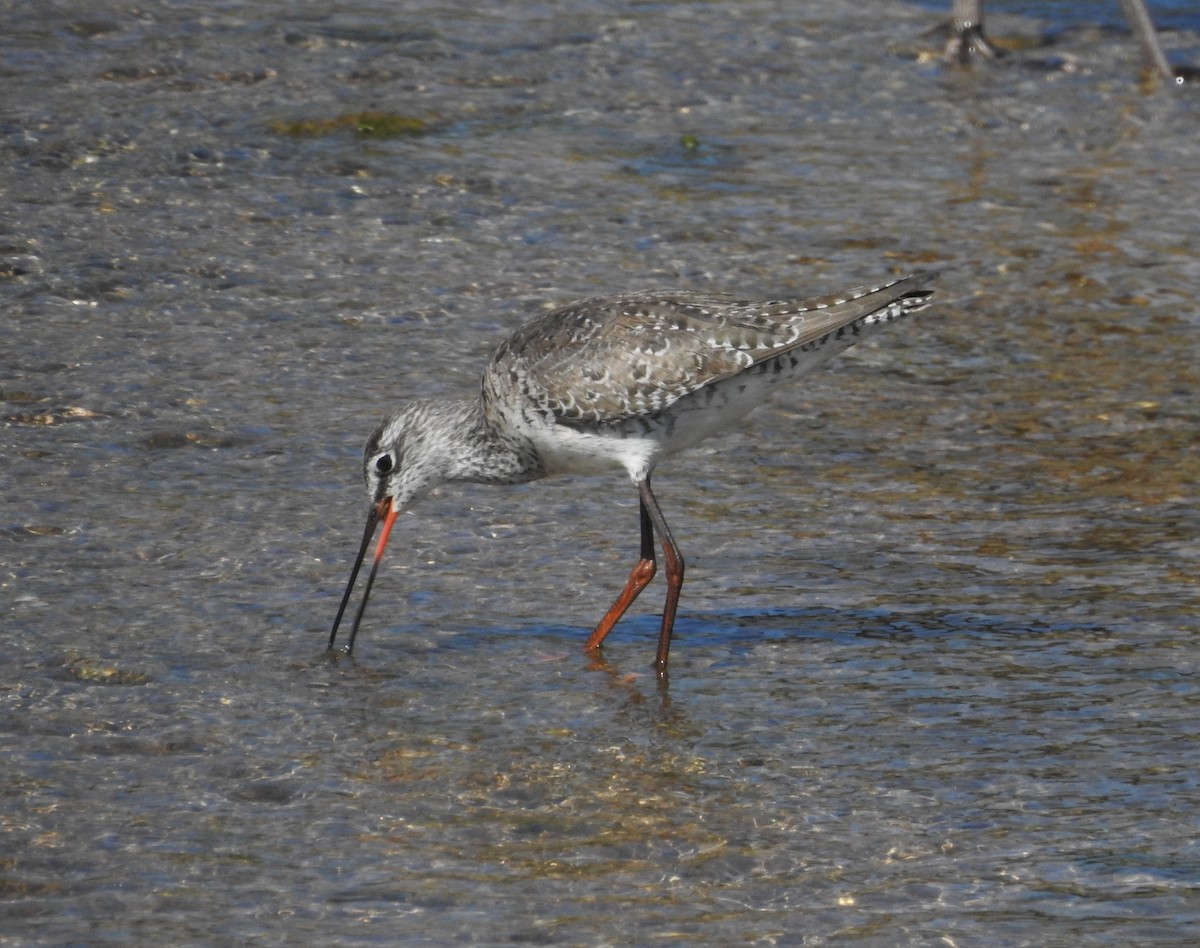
(606, 359)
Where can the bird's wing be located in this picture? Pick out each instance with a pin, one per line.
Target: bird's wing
(606, 359)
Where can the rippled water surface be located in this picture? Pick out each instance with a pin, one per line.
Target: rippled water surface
(935, 677)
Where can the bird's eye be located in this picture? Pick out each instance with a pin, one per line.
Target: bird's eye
(384, 464)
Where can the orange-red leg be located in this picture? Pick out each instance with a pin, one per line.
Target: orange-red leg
(643, 571)
(652, 521)
(674, 564)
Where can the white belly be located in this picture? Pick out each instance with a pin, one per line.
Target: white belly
(638, 444)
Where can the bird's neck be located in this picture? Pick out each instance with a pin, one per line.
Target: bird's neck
(482, 455)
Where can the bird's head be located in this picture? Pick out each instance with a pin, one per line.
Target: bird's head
(405, 457)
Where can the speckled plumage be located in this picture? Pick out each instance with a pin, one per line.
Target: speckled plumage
(604, 360)
(617, 382)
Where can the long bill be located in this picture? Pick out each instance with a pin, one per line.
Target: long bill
(387, 513)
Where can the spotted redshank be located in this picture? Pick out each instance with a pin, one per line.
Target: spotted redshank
(613, 382)
(967, 42)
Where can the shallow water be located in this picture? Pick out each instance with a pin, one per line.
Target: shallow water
(934, 678)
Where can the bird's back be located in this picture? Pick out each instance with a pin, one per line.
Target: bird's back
(606, 360)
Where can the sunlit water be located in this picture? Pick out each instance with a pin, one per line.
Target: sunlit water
(935, 672)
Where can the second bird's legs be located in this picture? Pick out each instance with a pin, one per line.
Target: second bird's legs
(652, 520)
